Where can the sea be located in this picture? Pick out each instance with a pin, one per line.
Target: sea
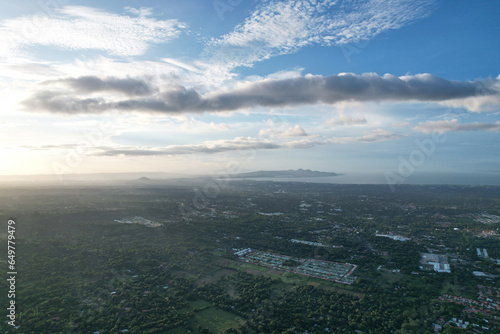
(420, 178)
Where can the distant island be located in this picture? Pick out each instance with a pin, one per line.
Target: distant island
(284, 174)
(146, 179)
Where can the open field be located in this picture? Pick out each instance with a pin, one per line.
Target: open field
(215, 320)
(198, 304)
(214, 277)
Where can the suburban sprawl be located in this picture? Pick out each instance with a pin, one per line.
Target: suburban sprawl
(240, 256)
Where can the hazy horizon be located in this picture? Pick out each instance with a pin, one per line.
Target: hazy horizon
(471, 178)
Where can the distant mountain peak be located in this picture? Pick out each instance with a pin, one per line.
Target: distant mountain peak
(144, 179)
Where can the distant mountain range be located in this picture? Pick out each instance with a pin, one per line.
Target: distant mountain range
(283, 174)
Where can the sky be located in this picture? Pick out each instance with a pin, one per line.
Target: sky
(204, 87)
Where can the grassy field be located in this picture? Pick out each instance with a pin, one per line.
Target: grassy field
(388, 277)
(213, 276)
(252, 266)
(292, 278)
(178, 330)
(215, 320)
(456, 290)
(198, 304)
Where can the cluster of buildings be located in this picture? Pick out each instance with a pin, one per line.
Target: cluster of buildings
(138, 220)
(333, 271)
(458, 323)
(310, 243)
(438, 262)
(393, 237)
(313, 243)
(440, 323)
(488, 302)
(486, 218)
(270, 213)
(243, 252)
(482, 253)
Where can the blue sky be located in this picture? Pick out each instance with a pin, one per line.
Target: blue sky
(229, 85)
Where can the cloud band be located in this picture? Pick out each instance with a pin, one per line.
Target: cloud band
(297, 91)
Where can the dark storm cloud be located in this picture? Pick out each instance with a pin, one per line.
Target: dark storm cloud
(54, 101)
(306, 90)
(344, 87)
(90, 84)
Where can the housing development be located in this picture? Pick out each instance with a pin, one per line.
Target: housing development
(337, 272)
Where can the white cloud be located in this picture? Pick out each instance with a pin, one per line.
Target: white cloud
(345, 120)
(276, 28)
(372, 136)
(280, 75)
(485, 99)
(295, 131)
(217, 146)
(400, 124)
(181, 64)
(83, 28)
(369, 137)
(29, 70)
(454, 126)
(243, 144)
(142, 12)
(194, 125)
